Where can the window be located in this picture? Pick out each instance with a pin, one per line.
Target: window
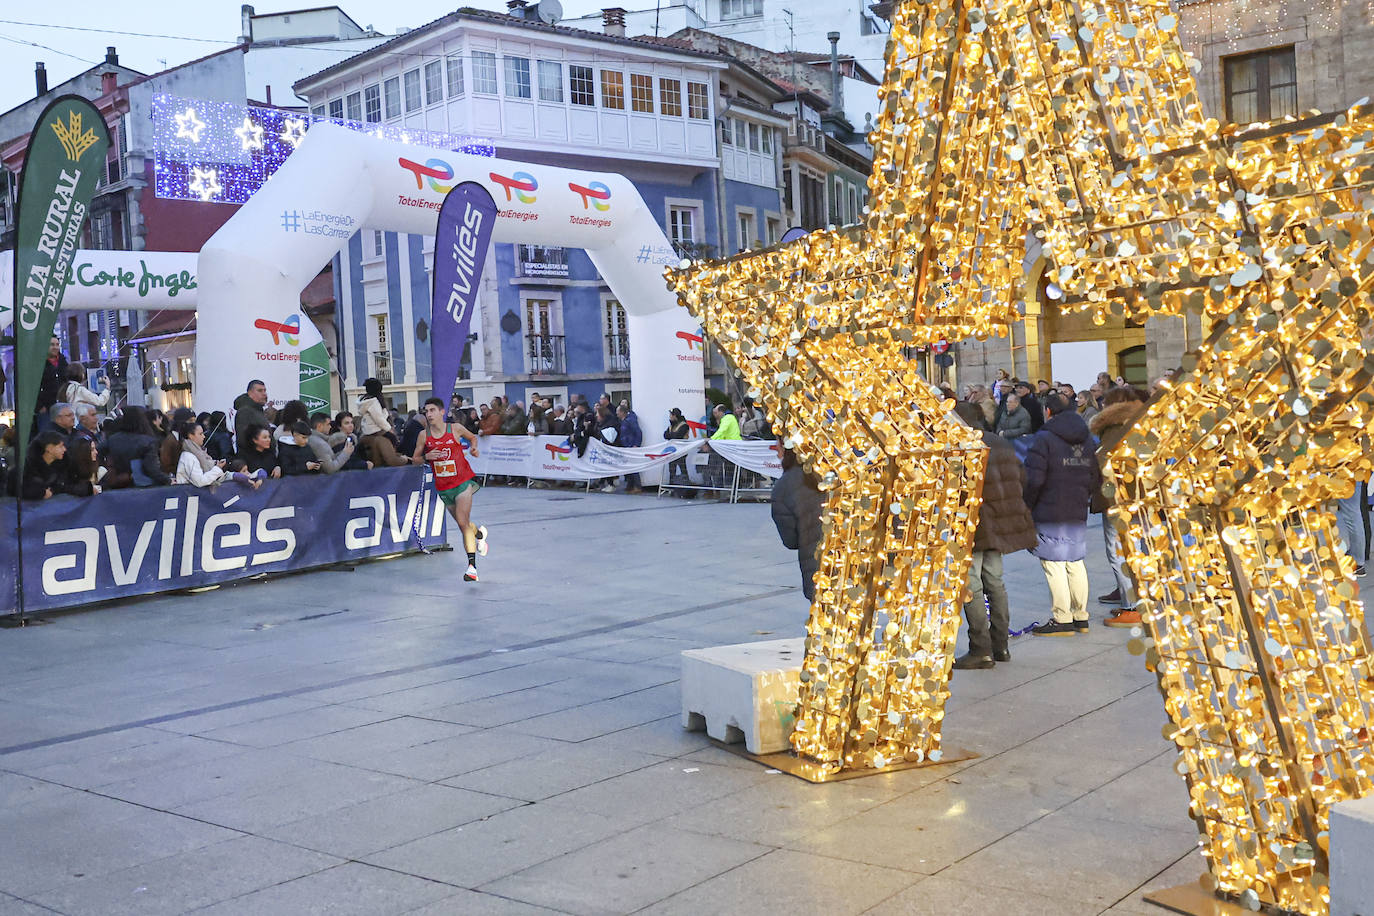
(642, 92)
(698, 105)
(517, 77)
(372, 104)
(484, 73)
(670, 97)
(613, 89)
(543, 341)
(455, 77)
(682, 225)
(767, 137)
(377, 242)
(741, 135)
(746, 231)
(617, 337)
(434, 82)
(382, 351)
(753, 138)
(412, 88)
(391, 95)
(581, 85)
(727, 132)
(354, 106)
(550, 81)
(336, 109)
(774, 230)
(1262, 86)
(320, 111)
(740, 9)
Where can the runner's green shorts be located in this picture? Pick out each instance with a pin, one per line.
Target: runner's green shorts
(450, 496)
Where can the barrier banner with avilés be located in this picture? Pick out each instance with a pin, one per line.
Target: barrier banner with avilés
(64, 159)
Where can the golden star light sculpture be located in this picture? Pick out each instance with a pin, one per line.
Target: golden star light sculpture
(1079, 124)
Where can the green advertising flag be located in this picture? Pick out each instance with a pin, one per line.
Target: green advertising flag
(66, 156)
(315, 378)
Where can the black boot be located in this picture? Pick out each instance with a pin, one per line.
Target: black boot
(966, 662)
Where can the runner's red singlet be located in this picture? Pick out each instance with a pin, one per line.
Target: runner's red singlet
(451, 468)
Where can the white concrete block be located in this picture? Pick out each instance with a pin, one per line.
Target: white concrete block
(743, 692)
(1352, 858)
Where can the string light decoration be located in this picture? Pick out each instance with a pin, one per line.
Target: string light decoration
(1080, 124)
(242, 146)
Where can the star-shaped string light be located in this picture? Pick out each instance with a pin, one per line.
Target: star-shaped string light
(250, 135)
(205, 184)
(293, 131)
(189, 127)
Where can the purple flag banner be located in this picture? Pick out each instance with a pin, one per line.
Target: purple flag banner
(461, 242)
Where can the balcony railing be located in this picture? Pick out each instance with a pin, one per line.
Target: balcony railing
(541, 261)
(383, 363)
(617, 353)
(544, 354)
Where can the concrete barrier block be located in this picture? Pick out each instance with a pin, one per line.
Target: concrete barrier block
(746, 692)
(1352, 858)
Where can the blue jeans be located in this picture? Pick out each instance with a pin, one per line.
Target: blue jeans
(1351, 525)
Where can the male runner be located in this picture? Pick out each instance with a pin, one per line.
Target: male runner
(438, 444)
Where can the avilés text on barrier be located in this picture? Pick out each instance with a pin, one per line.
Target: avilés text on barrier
(461, 241)
(65, 157)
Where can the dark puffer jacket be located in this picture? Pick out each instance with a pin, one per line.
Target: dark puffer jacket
(797, 509)
(1061, 478)
(1110, 426)
(1005, 523)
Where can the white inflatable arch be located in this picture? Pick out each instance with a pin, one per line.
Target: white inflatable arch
(340, 181)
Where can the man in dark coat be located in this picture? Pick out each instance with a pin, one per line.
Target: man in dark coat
(249, 412)
(797, 503)
(1061, 478)
(1004, 526)
(1124, 406)
(50, 386)
(631, 436)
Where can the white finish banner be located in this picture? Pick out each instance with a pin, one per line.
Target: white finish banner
(762, 456)
(554, 458)
(149, 280)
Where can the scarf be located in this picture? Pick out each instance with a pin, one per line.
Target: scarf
(206, 462)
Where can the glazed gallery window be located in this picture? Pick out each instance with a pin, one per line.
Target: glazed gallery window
(372, 103)
(455, 77)
(391, 95)
(434, 82)
(412, 87)
(354, 103)
(740, 9)
(698, 103)
(642, 93)
(518, 77)
(550, 81)
(670, 97)
(336, 109)
(1261, 86)
(582, 85)
(613, 89)
(484, 72)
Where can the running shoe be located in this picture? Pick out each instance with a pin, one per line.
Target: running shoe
(471, 574)
(481, 543)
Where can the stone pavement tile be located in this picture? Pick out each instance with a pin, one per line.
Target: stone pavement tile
(286, 798)
(351, 888)
(1128, 730)
(449, 757)
(354, 744)
(940, 896)
(476, 902)
(389, 820)
(248, 712)
(186, 881)
(102, 769)
(595, 719)
(626, 872)
(293, 726)
(781, 810)
(665, 737)
(929, 829)
(658, 791)
(553, 772)
(497, 682)
(1081, 691)
(24, 796)
(485, 850)
(1150, 795)
(997, 723)
(1075, 859)
(91, 839)
(789, 883)
(382, 682)
(13, 906)
(81, 749)
(1052, 775)
(508, 708)
(246, 773)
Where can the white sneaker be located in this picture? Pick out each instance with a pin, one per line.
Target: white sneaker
(482, 540)
(608, 488)
(471, 574)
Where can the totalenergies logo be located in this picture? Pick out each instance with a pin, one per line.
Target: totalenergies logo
(288, 330)
(520, 186)
(698, 429)
(436, 170)
(594, 195)
(670, 450)
(559, 452)
(693, 341)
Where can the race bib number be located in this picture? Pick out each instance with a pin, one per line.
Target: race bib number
(446, 468)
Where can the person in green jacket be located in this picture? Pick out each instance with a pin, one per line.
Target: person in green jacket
(727, 427)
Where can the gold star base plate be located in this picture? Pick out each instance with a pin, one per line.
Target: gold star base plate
(1194, 900)
(788, 762)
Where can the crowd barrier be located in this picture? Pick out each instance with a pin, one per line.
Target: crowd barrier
(125, 543)
(733, 467)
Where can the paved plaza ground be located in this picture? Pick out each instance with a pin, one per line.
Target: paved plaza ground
(393, 740)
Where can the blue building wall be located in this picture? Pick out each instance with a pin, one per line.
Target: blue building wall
(763, 201)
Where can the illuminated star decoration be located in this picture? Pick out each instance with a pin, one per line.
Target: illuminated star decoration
(205, 184)
(250, 135)
(189, 126)
(294, 132)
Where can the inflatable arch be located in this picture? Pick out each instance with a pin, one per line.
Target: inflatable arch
(251, 272)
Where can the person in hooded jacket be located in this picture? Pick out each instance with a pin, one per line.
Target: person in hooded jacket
(1123, 407)
(1004, 526)
(1061, 477)
(797, 503)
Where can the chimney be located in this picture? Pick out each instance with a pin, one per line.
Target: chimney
(836, 80)
(613, 21)
(109, 82)
(40, 78)
(246, 26)
(111, 56)
(517, 8)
